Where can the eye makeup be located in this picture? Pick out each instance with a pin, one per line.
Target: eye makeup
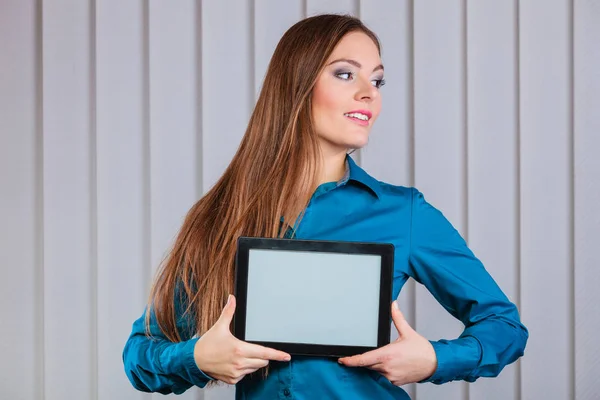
(346, 75)
(340, 73)
(379, 83)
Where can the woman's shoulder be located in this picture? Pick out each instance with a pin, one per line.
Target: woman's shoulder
(397, 191)
(406, 194)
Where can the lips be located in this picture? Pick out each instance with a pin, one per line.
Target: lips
(361, 117)
(366, 113)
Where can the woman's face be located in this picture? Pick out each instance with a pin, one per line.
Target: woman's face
(346, 99)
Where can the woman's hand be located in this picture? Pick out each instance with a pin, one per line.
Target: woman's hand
(410, 358)
(222, 356)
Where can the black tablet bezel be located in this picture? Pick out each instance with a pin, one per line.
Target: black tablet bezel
(385, 250)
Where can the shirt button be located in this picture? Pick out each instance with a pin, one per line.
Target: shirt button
(286, 392)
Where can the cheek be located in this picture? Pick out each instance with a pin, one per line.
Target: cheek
(376, 108)
(325, 103)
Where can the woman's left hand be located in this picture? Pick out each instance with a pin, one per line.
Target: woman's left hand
(410, 358)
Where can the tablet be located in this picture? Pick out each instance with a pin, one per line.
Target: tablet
(308, 297)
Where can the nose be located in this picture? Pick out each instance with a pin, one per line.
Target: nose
(365, 90)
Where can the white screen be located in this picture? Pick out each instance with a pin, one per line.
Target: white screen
(313, 297)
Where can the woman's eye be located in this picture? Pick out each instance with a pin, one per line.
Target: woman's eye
(378, 83)
(344, 75)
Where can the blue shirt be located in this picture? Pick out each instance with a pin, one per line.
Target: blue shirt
(427, 248)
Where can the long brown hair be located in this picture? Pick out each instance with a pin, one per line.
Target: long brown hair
(271, 176)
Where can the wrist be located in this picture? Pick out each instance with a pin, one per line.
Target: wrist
(191, 369)
(432, 361)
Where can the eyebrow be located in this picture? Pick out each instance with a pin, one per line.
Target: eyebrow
(355, 63)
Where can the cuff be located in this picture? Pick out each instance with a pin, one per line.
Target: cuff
(456, 359)
(190, 370)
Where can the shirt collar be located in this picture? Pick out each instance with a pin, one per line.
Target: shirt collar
(357, 174)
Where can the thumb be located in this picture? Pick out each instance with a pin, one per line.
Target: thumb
(227, 313)
(400, 322)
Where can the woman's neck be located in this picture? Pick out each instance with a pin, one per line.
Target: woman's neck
(333, 167)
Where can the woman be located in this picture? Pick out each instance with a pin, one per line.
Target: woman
(292, 177)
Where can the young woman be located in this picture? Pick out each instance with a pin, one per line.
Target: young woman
(292, 177)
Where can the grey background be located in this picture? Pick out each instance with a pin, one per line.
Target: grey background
(115, 116)
(313, 297)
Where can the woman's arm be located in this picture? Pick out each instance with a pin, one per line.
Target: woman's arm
(440, 259)
(155, 364)
(158, 365)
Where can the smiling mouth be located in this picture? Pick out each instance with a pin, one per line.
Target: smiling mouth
(358, 115)
(360, 118)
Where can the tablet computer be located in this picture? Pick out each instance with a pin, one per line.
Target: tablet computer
(313, 297)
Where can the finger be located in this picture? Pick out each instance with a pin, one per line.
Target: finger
(264, 353)
(228, 312)
(363, 360)
(249, 371)
(400, 322)
(252, 364)
(379, 367)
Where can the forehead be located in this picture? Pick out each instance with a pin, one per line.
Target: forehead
(358, 46)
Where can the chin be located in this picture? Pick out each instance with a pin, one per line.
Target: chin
(347, 143)
(358, 144)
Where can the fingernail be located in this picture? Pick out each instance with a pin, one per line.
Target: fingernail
(396, 305)
(228, 300)
(287, 358)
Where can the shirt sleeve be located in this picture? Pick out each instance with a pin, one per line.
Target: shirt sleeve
(440, 260)
(155, 364)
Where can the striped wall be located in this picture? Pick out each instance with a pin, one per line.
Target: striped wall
(115, 116)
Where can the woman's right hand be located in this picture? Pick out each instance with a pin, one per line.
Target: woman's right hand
(222, 356)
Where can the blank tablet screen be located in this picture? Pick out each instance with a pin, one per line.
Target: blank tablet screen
(313, 297)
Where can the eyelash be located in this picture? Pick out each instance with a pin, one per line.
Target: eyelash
(378, 82)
